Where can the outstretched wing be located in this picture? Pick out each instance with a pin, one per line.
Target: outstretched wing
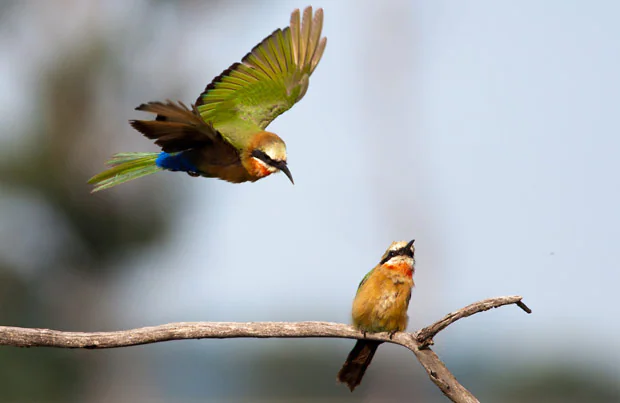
(270, 79)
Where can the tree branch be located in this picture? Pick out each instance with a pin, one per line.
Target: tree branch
(416, 342)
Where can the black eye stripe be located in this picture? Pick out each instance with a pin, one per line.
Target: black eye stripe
(261, 155)
(404, 251)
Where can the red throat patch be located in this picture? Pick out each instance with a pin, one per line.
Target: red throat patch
(259, 169)
(403, 268)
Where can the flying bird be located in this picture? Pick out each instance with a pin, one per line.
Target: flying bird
(380, 305)
(223, 134)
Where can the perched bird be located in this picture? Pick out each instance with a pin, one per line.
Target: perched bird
(380, 305)
(223, 135)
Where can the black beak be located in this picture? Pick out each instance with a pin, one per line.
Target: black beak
(408, 248)
(284, 168)
(281, 165)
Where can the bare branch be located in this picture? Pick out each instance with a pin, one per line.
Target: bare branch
(425, 335)
(416, 342)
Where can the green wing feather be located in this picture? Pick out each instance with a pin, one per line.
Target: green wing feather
(270, 79)
(366, 277)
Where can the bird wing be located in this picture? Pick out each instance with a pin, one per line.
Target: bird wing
(177, 128)
(269, 80)
(366, 277)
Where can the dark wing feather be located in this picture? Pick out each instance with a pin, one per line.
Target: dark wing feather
(176, 128)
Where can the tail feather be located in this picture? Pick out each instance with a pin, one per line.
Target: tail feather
(358, 360)
(125, 167)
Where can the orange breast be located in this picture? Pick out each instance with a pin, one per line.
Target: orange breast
(381, 302)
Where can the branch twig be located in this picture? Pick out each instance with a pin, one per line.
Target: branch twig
(425, 335)
(416, 342)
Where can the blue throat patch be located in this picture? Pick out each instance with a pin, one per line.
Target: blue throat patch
(175, 162)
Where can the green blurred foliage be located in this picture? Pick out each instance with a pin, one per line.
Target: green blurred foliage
(95, 230)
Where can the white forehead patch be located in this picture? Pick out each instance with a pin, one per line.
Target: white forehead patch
(275, 151)
(397, 245)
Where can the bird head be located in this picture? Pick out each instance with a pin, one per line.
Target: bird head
(399, 253)
(267, 155)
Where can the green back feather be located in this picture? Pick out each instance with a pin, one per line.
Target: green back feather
(125, 167)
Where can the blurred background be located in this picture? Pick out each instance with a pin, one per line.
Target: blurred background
(488, 131)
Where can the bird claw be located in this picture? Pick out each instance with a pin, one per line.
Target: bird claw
(193, 174)
(392, 334)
